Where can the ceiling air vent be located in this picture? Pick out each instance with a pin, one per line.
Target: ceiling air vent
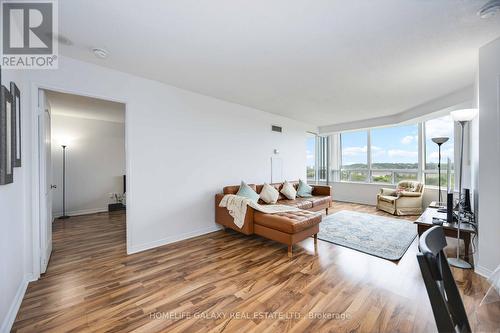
(275, 128)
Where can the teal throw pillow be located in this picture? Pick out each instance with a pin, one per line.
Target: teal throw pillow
(304, 190)
(247, 192)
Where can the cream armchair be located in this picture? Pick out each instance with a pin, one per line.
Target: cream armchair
(406, 199)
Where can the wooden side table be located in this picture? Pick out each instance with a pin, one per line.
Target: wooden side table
(424, 222)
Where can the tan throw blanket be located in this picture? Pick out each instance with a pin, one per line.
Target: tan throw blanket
(237, 207)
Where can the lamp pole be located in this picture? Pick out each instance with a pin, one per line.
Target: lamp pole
(462, 117)
(457, 262)
(64, 216)
(439, 174)
(439, 141)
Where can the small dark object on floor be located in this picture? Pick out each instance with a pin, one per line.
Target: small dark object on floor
(115, 207)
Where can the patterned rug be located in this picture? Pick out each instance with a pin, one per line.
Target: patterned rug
(379, 236)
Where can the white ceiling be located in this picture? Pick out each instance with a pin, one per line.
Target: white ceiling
(320, 61)
(85, 107)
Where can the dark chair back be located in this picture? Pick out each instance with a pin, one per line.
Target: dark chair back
(447, 306)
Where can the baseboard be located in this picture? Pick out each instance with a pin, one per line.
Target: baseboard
(484, 272)
(16, 304)
(172, 239)
(82, 212)
(353, 202)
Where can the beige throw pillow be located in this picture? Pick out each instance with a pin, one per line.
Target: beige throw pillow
(289, 191)
(269, 194)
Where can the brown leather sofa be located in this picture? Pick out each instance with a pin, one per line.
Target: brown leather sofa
(287, 228)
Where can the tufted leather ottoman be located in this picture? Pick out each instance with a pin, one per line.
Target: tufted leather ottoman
(288, 228)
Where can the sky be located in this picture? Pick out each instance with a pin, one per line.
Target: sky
(389, 145)
(398, 144)
(435, 128)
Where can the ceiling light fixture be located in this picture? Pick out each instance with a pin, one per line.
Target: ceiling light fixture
(100, 53)
(490, 9)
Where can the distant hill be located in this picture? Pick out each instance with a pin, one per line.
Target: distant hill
(391, 166)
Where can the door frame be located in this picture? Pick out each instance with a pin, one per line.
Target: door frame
(44, 183)
(37, 159)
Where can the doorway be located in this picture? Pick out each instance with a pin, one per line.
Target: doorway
(82, 161)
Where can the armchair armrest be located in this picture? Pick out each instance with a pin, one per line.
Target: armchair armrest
(322, 190)
(410, 194)
(387, 191)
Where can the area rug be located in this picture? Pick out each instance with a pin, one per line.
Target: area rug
(378, 236)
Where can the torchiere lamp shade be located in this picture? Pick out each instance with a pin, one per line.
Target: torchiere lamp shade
(440, 140)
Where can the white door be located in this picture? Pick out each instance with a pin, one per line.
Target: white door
(45, 181)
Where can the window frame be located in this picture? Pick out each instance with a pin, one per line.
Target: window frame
(322, 148)
(420, 172)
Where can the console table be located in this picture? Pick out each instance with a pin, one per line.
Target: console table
(424, 222)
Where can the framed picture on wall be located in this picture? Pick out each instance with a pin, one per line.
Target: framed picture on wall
(6, 137)
(16, 111)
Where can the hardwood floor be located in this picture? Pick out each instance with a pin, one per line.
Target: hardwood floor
(225, 281)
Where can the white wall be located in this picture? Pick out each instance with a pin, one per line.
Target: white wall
(95, 163)
(14, 210)
(489, 158)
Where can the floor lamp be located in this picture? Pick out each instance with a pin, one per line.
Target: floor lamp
(64, 216)
(462, 117)
(439, 141)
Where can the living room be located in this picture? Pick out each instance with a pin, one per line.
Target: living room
(345, 97)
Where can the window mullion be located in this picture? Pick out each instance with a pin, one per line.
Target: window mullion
(369, 154)
(421, 151)
(317, 160)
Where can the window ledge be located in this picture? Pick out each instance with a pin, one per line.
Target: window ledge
(430, 187)
(363, 183)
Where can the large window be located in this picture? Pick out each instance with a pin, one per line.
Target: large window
(354, 148)
(394, 149)
(388, 155)
(311, 157)
(440, 127)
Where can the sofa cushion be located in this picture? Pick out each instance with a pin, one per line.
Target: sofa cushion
(320, 200)
(247, 192)
(289, 191)
(304, 190)
(291, 222)
(277, 186)
(233, 189)
(269, 194)
(301, 203)
(410, 186)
